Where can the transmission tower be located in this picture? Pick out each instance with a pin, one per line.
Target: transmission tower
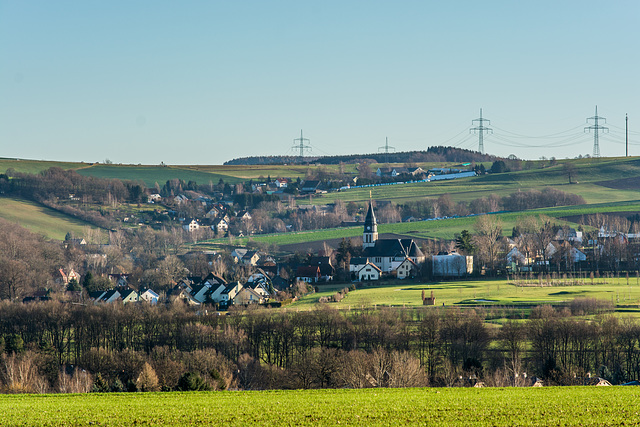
(301, 146)
(481, 129)
(596, 128)
(386, 148)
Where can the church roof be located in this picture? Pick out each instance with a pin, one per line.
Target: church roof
(393, 248)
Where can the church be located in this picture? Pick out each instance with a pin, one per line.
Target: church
(389, 255)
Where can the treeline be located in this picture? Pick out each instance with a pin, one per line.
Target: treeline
(518, 201)
(433, 154)
(171, 347)
(27, 260)
(59, 183)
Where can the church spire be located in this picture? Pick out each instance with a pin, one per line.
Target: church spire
(370, 234)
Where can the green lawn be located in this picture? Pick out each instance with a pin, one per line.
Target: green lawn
(497, 292)
(40, 219)
(592, 406)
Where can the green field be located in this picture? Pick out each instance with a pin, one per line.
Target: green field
(35, 166)
(152, 174)
(40, 219)
(498, 293)
(593, 406)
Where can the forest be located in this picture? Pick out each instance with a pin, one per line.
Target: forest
(171, 347)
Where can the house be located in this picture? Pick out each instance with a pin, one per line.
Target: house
(406, 268)
(179, 293)
(220, 225)
(105, 296)
(154, 198)
(310, 186)
(191, 225)
(215, 291)
(119, 279)
(200, 292)
(129, 295)
(229, 293)
(66, 278)
(247, 296)
(569, 235)
(149, 296)
(451, 265)
(251, 258)
(370, 271)
(555, 249)
(238, 253)
(308, 273)
(387, 254)
(356, 263)
(281, 182)
(244, 215)
(180, 198)
(392, 172)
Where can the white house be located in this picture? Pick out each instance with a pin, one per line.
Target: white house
(369, 272)
(191, 225)
(149, 296)
(129, 295)
(407, 268)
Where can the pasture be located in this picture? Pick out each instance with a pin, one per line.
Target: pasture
(40, 219)
(487, 293)
(585, 406)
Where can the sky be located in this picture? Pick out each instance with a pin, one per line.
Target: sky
(203, 82)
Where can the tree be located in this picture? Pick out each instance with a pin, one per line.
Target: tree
(147, 380)
(488, 239)
(464, 242)
(569, 171)
(499, 166)
(191, 381)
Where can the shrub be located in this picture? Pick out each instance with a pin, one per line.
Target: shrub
(192, 382)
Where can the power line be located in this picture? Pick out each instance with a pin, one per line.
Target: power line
(301, 146)
(596, 128)
(386, 148)
(481, 129)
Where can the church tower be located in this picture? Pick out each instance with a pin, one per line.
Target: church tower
(370, 234)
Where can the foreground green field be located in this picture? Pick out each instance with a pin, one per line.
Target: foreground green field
(40, 219)
(592, 406)
(498, 292)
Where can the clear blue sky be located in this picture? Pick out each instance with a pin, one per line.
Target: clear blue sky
(202, 82)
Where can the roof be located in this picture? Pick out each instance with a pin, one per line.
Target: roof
(370, 221)
(393, 248)
(368, 264)
(308, 271)
(126, 293)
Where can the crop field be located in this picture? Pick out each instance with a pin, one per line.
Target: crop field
(585, 406)
(498, 292)
(40, 219)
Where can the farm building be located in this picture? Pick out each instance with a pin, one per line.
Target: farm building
(452, 265)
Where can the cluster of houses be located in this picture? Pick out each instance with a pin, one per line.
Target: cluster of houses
(393, 258)
(218, 218)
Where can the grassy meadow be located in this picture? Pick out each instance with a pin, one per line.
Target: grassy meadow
(585, 406)
(488, 293)
(40, 219)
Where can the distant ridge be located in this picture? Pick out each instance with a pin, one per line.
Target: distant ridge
(433, 154)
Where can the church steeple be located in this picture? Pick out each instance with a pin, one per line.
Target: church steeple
(370, 234)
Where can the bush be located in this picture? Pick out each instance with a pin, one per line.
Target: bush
(192, 382)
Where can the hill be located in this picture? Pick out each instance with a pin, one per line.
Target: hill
(433, 154)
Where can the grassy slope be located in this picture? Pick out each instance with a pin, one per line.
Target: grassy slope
(454, 406)
(40, 219)
(152, 174)
(35, 166)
